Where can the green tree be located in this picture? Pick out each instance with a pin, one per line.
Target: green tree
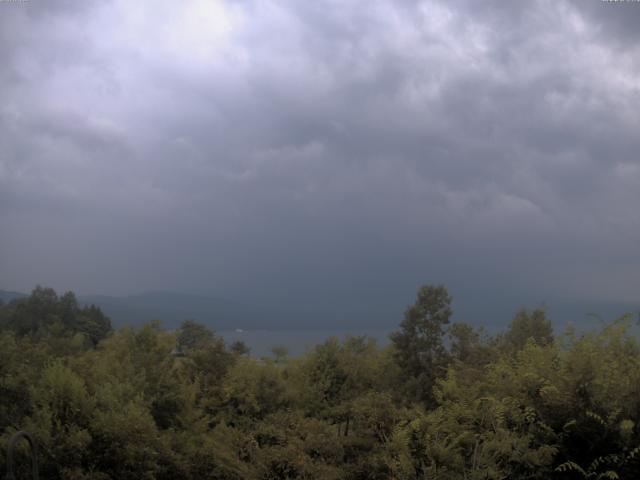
(45, 315)
(192, 334)
(528, 325)
(253, 390)
(29, 315)
(293, 446)
(471, 346)
(280, 353)
(239, 348)
(419, 347)
(61, 419)
(93, 324)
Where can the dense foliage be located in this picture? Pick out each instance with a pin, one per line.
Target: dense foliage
(442, 401)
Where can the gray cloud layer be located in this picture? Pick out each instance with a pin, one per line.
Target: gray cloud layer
(333, 155)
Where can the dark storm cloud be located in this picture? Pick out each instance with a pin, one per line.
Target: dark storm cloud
(334, 155)
(613, 21)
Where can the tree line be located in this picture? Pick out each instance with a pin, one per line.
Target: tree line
(442, 401)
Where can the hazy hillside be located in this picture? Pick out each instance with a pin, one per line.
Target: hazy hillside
(225, 315)
(7, 296)
(221, 314)
(172, 308)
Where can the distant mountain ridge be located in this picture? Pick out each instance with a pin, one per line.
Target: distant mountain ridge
(172, 308)
(6, 296)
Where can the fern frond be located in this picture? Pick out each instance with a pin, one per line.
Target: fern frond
(596, 417)
(610, 474)
(634, 452)
(571, 467)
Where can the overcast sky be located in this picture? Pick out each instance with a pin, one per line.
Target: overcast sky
(332, 155)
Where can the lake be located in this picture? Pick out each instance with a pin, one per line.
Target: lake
(297, 341)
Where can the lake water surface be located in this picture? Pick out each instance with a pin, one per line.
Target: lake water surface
(297, 341)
